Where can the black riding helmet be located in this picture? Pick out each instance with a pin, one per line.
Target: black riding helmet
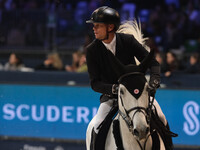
(105, 15)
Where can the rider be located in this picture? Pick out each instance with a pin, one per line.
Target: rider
(105, 22)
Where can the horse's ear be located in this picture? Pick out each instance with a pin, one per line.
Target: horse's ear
(144, 65)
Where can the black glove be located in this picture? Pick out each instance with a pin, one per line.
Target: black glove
(151, 91)
(154, 83)
(115, 89)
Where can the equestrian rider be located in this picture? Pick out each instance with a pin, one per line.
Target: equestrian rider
(105, 22)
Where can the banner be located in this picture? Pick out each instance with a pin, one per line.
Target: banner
(64, 112)
(46, 111)
(181, 108)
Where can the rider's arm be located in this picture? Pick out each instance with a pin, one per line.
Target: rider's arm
(95, 72)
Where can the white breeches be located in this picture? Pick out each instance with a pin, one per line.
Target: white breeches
(102, 112)
(105, 108)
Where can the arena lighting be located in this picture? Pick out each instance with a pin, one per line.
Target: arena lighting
(50, 113)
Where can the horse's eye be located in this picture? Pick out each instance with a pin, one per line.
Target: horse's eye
(121, 92)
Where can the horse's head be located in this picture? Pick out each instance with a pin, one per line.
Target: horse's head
(133, 99)
(133, 104)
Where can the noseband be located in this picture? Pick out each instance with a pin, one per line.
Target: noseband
(127, 118)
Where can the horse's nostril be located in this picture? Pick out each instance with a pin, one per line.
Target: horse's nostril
(136, 133)
(147, 130)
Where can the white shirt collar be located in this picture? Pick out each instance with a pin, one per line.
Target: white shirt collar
(112, 45)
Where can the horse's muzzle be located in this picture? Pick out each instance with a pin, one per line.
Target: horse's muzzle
(141, 134)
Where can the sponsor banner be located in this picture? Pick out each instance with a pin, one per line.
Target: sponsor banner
(46, 111)
(181, 108)
(64, 112)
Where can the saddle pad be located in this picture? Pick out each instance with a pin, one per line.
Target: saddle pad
(117, 136)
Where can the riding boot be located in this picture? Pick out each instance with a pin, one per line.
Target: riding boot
(93, 139)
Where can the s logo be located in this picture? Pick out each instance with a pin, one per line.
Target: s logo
(190, 112)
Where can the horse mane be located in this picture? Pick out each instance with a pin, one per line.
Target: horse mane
(134, 28)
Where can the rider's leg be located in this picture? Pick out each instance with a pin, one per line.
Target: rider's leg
(160, 113)
(102, 112)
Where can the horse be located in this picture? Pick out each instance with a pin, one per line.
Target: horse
(134, 111)
(131, 128)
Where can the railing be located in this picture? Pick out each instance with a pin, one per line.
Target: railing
(176, 81)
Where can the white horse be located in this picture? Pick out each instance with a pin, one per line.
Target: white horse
(133, 116)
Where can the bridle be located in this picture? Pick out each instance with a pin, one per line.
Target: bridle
(146, 111)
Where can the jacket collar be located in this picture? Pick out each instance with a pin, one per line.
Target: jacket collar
(119, 48)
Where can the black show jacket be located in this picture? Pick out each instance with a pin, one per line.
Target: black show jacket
(102, 74)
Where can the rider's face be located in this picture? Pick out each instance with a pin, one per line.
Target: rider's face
(100, 30)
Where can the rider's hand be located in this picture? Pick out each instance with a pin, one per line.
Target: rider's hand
(151, 91)
(115, 88)
(154, 83)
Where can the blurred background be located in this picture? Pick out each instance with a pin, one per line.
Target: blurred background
(45, 98)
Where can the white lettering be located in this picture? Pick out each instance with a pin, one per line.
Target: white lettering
(82, 113)
(8, 110)
(19, 112)
(66, 114)
(34, 113)
(50, 116)
(190, 111)
(52, 113)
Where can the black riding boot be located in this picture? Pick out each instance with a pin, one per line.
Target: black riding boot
(93, 139)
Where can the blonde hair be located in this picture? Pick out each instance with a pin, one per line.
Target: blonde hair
(57, 62)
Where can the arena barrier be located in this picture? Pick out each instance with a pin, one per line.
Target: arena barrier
(63, 112)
